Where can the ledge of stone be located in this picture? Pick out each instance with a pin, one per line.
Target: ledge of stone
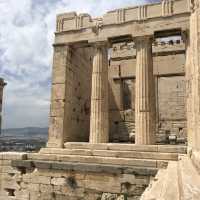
(13, 156)
(126, 147)
(84, 167)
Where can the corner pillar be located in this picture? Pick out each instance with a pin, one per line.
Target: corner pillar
(59, 128)
(99, 98)
(145, 107)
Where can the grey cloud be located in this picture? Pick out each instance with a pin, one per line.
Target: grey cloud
(26, 37)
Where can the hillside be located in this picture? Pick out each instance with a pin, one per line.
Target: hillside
(26, 132)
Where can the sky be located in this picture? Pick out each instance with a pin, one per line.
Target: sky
(26, 36)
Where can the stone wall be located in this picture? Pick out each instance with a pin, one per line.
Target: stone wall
(171, 105)
(71, 93)
(81, 72)
(54, 181)
(169, 72)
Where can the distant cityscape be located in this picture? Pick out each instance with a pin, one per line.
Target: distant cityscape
(29, 139)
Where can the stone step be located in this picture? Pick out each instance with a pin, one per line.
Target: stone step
(189, 179)
(85, 167)
(99, 160)
(165, 185)
(181, 149)
(112, 153)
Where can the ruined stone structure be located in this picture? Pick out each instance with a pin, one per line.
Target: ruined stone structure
(141, 26)
(2, 85)
(121, 79)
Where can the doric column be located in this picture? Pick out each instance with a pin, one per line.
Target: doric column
(145, 110)
(99, 98)
(59, 128)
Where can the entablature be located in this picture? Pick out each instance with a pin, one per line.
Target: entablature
(72, 21)
(124, 23)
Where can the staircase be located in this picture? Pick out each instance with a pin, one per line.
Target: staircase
(153, 156)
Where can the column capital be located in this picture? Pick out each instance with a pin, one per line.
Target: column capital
(99, 42)
(144, 38)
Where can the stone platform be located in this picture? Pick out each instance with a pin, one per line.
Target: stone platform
(40, 177)
(84, 171)
(155, 156)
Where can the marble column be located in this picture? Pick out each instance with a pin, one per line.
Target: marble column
(60, 112)
(145, 105)
(99, 98)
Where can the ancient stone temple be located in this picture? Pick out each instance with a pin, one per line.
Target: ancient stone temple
(125, 110)
(2, 85)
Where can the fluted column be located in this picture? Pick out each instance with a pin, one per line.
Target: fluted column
(145, 110)
(99, 96)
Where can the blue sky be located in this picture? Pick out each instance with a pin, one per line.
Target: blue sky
(26, 37)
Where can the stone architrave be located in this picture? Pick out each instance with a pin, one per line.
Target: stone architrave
(145, 108)
(99, 98)
(59, 130)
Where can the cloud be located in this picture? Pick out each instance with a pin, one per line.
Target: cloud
(26, 37)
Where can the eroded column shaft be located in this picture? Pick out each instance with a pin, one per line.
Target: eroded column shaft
(99, 96)
(145, 110)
